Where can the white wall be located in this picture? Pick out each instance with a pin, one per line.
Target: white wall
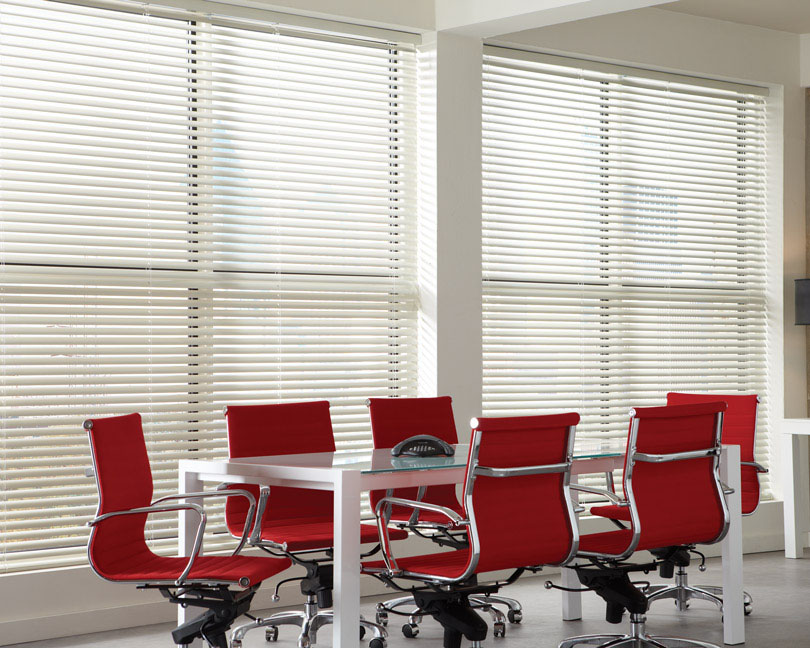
(72, 601)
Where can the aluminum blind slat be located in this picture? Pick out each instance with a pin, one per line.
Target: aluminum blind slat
(195, 213)
(624, 240)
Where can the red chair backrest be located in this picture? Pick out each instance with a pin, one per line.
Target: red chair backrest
(124, 480)
(279, 429)
(396, 419)
(739, 427)
(678, 502)
(521, 520)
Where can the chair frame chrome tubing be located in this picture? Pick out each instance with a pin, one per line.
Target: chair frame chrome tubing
(633, 456)
(638, 637)
(312, 618)
(392, 570)
(158, 506)
(682, 592)
(479, 600)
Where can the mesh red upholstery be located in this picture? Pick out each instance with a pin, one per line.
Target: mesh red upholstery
(118, 550)
(739, 427)
(510, 534)
(537, 535)
(298, 516)
(396, 419)
(695, 513)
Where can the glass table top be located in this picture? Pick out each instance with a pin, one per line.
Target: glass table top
(381, 461)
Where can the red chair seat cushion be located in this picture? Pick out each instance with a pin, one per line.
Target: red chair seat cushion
(616, 542)
(448, 564)
(609, 542)
(305, 534)
(749, 498)
(148, 567)
(612, 512)
(400, 514)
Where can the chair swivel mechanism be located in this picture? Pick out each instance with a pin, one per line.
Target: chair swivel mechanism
(222, 586)
(666, 445)
(396, 419)
(518, 469)
(739, 427)
(293, 523)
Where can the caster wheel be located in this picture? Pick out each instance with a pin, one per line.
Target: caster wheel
(271, 634)
(747, 609)
(410, 630)
(236, 643)
(499, 630)
(304, 642)
(381, 618)
(362, 631)
(514, 616)
(377, 642)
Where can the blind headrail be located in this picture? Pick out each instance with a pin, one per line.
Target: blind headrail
(602, 68)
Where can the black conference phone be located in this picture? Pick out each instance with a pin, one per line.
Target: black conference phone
(423, 445)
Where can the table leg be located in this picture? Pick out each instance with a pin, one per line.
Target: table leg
(733, 615)
(187, 530)
(346, 631)
(795, 488)
(571, 601)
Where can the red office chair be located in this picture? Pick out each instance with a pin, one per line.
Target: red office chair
(293, 522)
(739, 427)
(518, 469)
(118, 551)
(396, 419)
(677, 444)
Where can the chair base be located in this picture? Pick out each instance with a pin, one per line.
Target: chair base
(638, 638)
(309, 621)
(483, 602)
(682, 592)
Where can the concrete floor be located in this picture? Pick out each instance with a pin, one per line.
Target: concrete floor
(781, 617)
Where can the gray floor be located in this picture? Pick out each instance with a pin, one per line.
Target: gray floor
(780, 588)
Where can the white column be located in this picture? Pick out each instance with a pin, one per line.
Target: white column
(733, 616)
(188, 521)
(346, 592)
(450, 221)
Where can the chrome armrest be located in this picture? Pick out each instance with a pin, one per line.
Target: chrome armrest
(153, 508)
(382, 523)
(727, 490)
(222, 493)
(618, 501)
(256, 535)
(760, 468)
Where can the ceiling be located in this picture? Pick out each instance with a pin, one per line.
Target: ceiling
(784, 15)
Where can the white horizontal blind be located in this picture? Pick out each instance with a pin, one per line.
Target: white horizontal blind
(624, 242)
(193, 212)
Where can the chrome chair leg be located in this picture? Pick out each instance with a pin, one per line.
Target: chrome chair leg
(309, 622)
(282, 618)
(590, 640)
(683, 592)
(638, 638)
(384, 607)
(515, 609)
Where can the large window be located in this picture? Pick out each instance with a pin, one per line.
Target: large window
(194, 211)
(624, 239)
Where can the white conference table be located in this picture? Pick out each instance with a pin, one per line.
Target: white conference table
(795, 486)
(349, 474)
